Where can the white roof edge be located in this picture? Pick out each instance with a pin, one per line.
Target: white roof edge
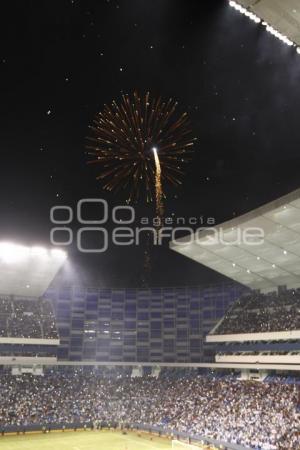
(281, 201)
(272, 261)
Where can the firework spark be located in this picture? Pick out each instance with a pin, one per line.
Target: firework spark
(158, 186)
(123, 138)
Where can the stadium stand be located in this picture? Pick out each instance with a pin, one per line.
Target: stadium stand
(259, 313)
(27, 318)
(255, 415)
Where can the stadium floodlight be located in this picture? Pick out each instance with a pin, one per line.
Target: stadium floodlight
(245, 11)
(58, 253)
(39, 251)
(277, 34)
(28, 270)
(252, 16)
(11, 253)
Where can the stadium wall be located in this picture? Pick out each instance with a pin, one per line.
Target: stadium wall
(139, 325)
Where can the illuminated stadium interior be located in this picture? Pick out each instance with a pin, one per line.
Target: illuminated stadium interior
(182, 345)
(110, 339)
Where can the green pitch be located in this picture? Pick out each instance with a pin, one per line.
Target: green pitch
(83, 440)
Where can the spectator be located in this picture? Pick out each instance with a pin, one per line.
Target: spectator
(27, 319)
(259, 313)
(252, 414)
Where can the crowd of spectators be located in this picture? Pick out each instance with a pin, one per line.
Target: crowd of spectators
(260, 313)
(259, 415)
(27, 318)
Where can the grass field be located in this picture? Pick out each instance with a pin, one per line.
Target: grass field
(83, 440)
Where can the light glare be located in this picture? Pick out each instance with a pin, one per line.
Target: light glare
(11, 253)
(39, 251)
(57, 252)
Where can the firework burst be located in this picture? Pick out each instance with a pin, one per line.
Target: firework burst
(122, 142)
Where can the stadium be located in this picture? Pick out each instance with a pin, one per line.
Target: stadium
(209, 360)
(185, 366)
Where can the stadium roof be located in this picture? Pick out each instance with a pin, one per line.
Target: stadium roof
(27, 271)
(282, 15)
(259, 263)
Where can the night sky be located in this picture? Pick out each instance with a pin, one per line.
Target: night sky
(60, 61)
